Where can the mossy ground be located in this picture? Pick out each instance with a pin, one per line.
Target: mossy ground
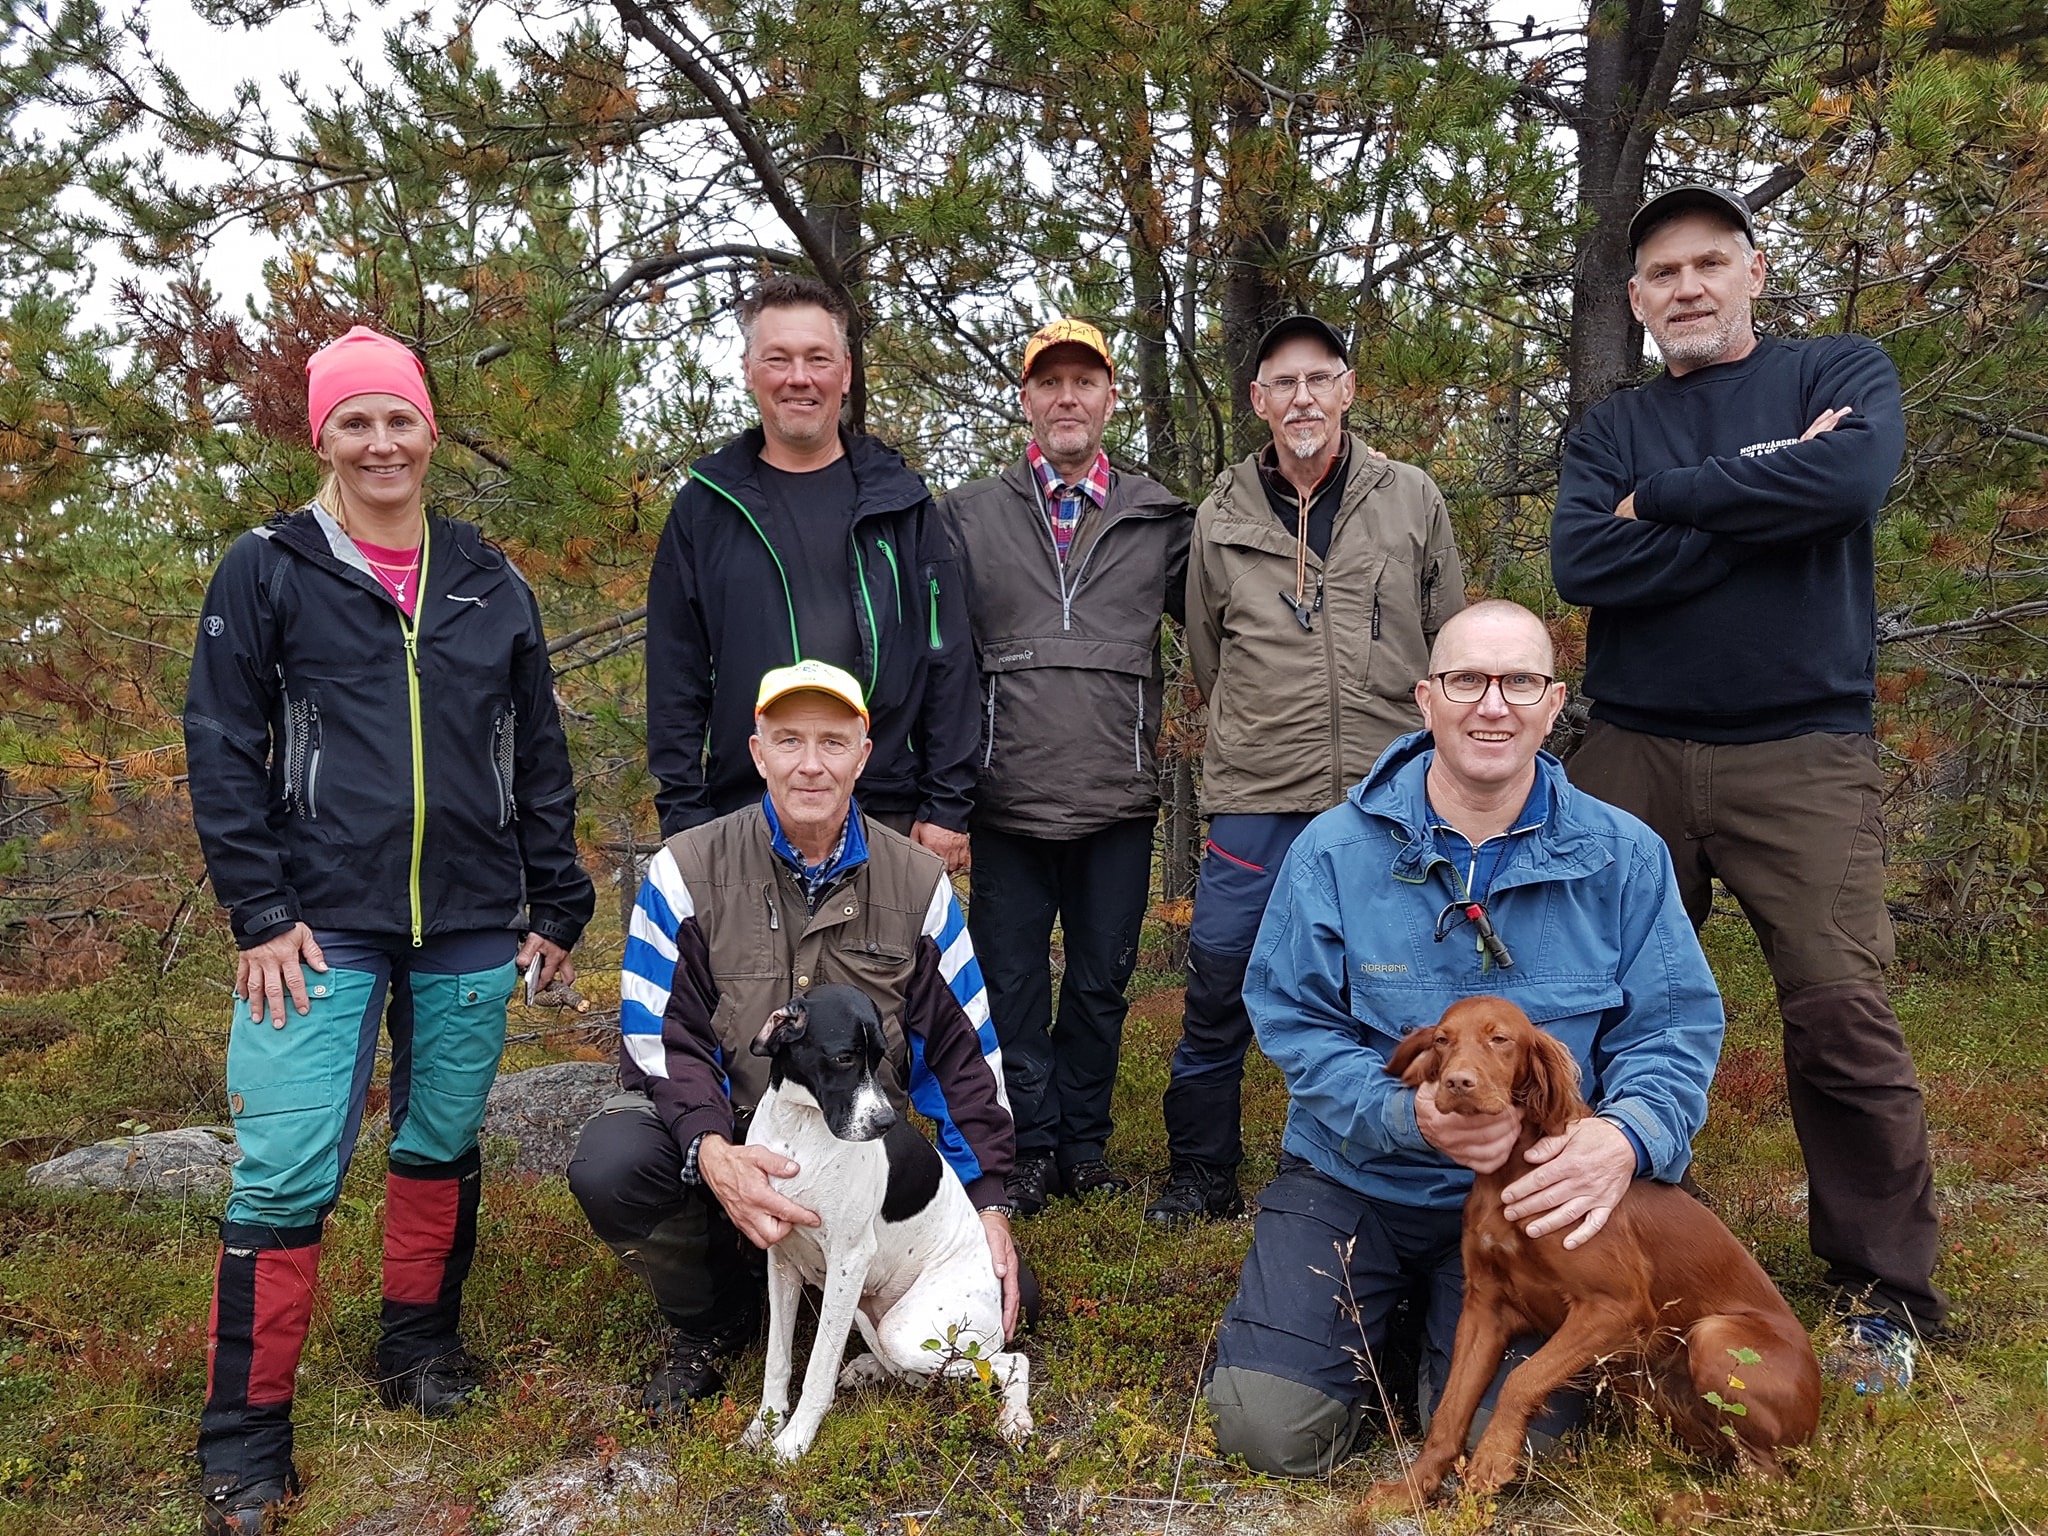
(103, 1303)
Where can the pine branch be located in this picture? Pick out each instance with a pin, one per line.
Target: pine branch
(1980, 620)
(759, 156)
(1998, 428)
(601, 627)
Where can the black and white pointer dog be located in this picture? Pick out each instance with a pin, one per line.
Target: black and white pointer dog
(899, 1249)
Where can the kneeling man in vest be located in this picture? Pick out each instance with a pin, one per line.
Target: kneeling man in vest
(734, 917)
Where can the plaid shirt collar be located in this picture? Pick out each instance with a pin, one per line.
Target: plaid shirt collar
(1094, 485)
(850, 851)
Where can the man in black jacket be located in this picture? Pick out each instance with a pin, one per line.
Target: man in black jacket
(1718, 521)
(1071, 565)
(796, 541)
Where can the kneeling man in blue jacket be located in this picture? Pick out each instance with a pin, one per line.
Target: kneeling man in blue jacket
(1368, 937)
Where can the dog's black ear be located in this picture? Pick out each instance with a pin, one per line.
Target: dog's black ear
(1548, 1088)
(872, 1032)
(785, 1025)
(1415, 1060)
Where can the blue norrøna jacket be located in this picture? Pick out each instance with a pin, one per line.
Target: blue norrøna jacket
(1347, 963)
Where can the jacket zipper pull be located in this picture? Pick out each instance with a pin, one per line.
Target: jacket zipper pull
(774, 923)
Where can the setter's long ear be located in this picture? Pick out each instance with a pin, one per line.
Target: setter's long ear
(784, 1025)
(1415, 1059)
(1548, 1089)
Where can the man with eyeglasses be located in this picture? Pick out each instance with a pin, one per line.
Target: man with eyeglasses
(1070, 564)
(1464, 864)
(798, 890)
(1719, 521)
(1320, 574)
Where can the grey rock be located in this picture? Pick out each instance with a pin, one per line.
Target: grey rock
(543, 1110)
(196, 1160)
(579, 1495)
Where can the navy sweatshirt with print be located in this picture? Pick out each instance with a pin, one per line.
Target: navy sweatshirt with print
(1739, 604)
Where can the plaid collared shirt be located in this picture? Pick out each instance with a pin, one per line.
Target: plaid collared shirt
(1063, 502)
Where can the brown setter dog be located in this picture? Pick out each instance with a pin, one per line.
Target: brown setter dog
(1664, 1296)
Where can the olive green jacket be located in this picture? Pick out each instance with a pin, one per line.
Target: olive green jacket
(1296, 716)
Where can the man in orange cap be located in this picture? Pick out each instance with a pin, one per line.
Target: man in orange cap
(1069, 564)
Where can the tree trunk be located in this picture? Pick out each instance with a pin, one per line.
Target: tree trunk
(1633, 53)
(1254, 223)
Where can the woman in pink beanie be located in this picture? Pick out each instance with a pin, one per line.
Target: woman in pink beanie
(383, 795)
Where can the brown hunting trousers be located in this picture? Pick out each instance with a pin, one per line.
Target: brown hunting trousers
(1795, 830)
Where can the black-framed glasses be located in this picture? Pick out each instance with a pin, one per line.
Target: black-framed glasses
(1523, 688)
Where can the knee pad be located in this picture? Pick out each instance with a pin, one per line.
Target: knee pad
(1280, 1426)
(288, 1092)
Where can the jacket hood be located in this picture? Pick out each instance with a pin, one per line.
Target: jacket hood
(882, 481)
(1241, 496)
(1394, 791)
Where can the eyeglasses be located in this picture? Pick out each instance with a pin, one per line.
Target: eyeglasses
(1321, 385)
(1523, 688)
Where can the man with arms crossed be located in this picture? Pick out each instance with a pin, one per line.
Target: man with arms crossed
(1718, 522)
(1321, 571)
(1366, 939)
(1070, 565)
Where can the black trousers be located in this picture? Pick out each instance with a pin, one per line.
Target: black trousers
(1060, 1068)
(705, 1277)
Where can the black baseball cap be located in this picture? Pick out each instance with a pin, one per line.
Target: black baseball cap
(1693, 195)
(1301, 325)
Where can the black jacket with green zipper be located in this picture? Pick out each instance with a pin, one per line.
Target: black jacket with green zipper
(719, 615)
(301, 722)
(1069, 653)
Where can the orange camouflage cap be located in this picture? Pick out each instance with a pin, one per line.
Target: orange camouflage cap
(1064, 332)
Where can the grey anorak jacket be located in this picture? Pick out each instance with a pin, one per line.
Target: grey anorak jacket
(1298, 715)
(1072, 687)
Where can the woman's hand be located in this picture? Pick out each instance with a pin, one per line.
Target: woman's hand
(264, 974)
(556, 968)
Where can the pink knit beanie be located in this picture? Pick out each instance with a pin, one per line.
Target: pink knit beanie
(364, 362)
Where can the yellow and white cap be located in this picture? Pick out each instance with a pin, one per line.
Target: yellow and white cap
(812, 677)
(1064, 333)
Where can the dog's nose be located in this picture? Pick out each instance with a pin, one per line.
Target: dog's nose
(884, 1117)
(1460, 1082)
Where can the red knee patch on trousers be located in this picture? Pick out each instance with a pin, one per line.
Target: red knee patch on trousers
(419, 1235)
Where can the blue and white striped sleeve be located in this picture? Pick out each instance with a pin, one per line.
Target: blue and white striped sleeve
(946, 926)
(648, 969)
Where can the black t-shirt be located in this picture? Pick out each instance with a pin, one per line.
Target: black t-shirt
(1322, 509)
(802, 514)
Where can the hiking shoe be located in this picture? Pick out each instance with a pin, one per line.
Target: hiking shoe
(1196, 1192)
(1092, 1176)
(234, 1507)
(436, 1388)
(689, 1368)
(1030, 1184)
(1875, 1355)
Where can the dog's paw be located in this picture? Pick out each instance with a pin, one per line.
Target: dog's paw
(865, 1371)
(756, 1434)
(1015, 1427)
(791, 1444)
(1489, 1470)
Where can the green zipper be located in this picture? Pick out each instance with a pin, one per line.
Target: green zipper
(937, 643)
(895, 576)
(796, 650)
(860, 572)
(419, 763)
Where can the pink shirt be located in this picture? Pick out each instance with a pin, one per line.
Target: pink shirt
(397, 571)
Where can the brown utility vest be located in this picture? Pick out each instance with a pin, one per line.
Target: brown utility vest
(766, 944)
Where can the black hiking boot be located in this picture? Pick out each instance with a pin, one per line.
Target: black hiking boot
(437, 1388)
(1092, 1176)
(690, 1367)
(1196, 1192)
(235, 1507)
(1030, 1183)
